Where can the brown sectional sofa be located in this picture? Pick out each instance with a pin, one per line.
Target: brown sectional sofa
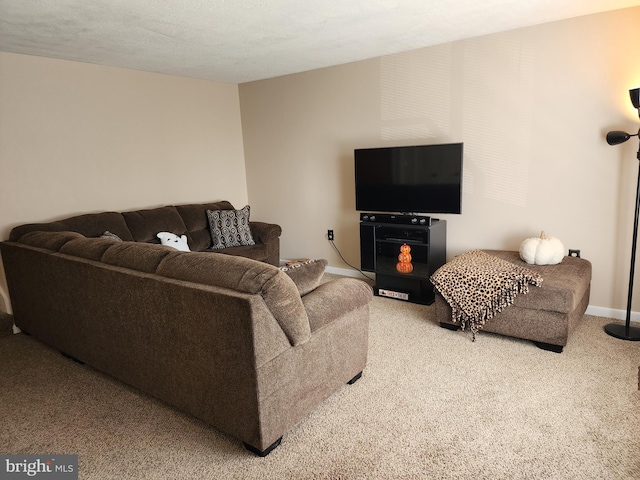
(547, 315)
(225, 338)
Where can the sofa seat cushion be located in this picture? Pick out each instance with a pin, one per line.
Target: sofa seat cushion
(346, 295)
(146, 224)
(258, 251)
(563, 285)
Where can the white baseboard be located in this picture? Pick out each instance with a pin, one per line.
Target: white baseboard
(347, 272)
(612, 313)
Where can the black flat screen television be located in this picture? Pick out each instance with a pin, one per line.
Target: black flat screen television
(415, 179)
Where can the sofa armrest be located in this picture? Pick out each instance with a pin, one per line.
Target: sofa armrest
(264, 232)
(335, 298)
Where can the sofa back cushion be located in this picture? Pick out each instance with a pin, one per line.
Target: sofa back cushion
(53, 241)
(278, 290)
(89, 225)
(146, 224)
(248, 276)
(89, 248)
(137, 256)
(140, 225)
(197, 224)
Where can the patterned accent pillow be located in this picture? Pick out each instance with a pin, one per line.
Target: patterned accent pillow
(306, 275)
(229, 228)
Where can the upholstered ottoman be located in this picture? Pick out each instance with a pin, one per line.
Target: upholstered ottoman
(548, 314)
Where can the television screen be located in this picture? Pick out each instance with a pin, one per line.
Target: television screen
(416, 179)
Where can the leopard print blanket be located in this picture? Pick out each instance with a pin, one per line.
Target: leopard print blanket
(478, 285)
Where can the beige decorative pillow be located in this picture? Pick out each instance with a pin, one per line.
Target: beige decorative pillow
(111, 236)
(306, 275)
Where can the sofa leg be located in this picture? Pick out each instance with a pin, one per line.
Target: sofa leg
(450, 326)
(549, 347)
(266, 451)
(354, 379)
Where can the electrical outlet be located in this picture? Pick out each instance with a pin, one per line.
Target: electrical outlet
(330, 234)
(574, 253)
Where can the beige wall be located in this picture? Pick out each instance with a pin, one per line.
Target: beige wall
(532, 107)
(78, 138)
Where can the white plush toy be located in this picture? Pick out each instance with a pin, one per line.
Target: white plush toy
(172, 240)
(542, 250)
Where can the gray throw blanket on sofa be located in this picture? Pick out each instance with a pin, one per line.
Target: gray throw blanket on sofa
(478, 285)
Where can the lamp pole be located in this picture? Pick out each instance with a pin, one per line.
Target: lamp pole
(626, 331)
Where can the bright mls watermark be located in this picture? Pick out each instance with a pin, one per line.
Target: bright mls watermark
(50, 467)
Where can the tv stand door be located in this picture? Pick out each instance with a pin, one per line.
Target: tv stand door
(367, 247)
(379, 249)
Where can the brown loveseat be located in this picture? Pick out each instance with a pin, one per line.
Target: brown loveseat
(228, 339)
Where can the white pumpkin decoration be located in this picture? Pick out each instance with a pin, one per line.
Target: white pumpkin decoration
(542, 250)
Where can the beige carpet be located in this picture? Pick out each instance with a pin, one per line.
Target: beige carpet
(431, 404)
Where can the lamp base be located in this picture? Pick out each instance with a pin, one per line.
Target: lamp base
(620, 330)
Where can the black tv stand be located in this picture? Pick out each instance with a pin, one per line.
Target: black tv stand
(381, 236)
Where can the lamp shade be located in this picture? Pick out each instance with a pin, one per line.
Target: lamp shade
(615, 137)
(635, 97)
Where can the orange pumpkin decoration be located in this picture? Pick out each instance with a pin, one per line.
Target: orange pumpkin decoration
(404, 264)
(404, 267)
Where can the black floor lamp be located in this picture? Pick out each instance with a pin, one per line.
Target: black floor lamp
(626, 331)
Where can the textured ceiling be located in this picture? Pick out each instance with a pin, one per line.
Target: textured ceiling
(244, 40)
